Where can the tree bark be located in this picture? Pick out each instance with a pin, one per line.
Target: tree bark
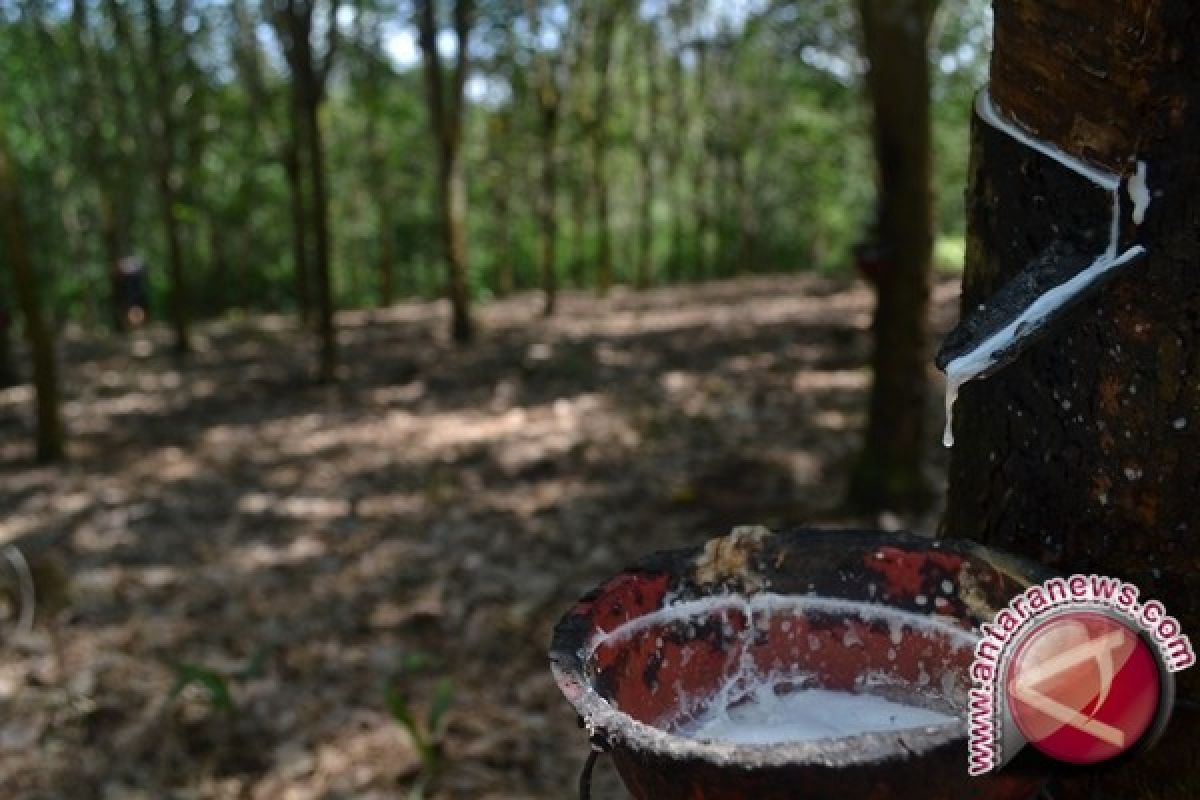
(675, 194)
(327, 362)
(9, 374)
(13, 236)
(294, 170)
(446, 107)
(165, 140)
(548, 92)
(888, 473)
(605, 30)
(294, 23)
(701, 160)
(644, 274)
(1081, 453)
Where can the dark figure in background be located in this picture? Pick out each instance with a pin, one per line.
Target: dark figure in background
(130, 295)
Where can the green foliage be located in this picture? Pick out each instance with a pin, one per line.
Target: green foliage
(214, 684)
(760, 154)
(426, 731)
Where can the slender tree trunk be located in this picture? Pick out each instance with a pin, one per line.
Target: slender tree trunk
(454, 210)
(386, 267)
(744, 261)
(548, 209)
(502, 218)
(889, 473)
(1082, 452)
(446, 107)
(701, 160)
(644, 274)
(675, 193)
(579, 220)
(294, 24)
(599, 142)
(548, 94)
(13, 235)
(327, 363)
(298, 208)
(164, 165)
(9, 374)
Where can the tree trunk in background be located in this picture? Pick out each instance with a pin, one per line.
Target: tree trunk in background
(579, 209)
(548, 94)
(446, 107)
(888, 473)
(9, 374)
(1082, 453)
(676, 196)
(13, 237)
(327, 362)
(644, 275)
(294, 25)
(747, 223)
(547, 206)
(295, 178)
(700, 216)
(386, 267)
(605, 29)
(165, 142)
(502, 218)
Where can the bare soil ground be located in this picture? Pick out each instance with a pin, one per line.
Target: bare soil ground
(430, 517)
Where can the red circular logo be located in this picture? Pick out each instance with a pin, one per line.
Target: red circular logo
(1083, 687)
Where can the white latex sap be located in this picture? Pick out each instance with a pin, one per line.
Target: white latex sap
(764, 717)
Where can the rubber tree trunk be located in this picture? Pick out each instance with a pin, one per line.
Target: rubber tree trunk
(644, 274)
(605, 30)
(888, 472)
(548, 209)
(15, 243)
(164, 168)
(1083, 453)
(386, 265)
(293, 169)
(444, 95)
(701, 161)
(327, 334)
(9, 374)
(454, 214)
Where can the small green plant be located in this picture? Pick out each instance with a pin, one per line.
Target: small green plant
(426, 734)
(214, 683)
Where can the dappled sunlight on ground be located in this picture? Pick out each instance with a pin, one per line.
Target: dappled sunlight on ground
(302, 547)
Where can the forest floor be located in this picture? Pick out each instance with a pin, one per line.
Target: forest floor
(295, 550)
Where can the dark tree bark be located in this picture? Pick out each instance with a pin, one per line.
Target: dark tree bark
(15, 243)
(888, 473)
(644, 269)
(675, 194)
(167, 156)
(1082, 453)
(10, 375)
(548, 92)
(701, 163)
(606, 24)
(310, 74)
(294, 170)
(446, 110)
